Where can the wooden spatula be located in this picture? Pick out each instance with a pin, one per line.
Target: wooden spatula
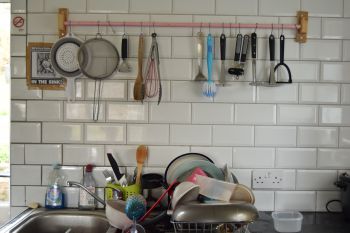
(139, 88)
(141, 156)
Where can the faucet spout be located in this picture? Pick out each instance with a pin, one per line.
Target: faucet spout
(77, 184)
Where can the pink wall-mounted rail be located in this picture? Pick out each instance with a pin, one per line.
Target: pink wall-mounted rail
(180, 24)
(301, 27)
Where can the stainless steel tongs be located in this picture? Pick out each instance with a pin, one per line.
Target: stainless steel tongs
(153, 85)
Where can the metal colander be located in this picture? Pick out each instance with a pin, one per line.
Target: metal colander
(64, 56)
(98, 58)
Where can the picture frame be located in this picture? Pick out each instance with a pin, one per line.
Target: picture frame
(39, 70)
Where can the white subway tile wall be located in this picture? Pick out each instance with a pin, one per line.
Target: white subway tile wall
(301, 129)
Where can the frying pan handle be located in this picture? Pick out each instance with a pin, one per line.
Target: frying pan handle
(272, 47)
(223, 46)
(282, 40)
(124, 48)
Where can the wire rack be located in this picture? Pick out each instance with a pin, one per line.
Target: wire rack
(192, 227)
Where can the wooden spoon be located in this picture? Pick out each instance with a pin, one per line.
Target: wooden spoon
(139, 88)
(141, 156)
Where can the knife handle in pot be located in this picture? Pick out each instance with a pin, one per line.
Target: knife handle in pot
(272, 47)
(114, 166)
(223, 46)
(254, 43)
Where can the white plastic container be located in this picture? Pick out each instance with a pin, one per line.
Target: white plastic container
(287, 221)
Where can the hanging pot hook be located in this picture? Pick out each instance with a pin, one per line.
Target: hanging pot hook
(223, 28)
(231, 29)
(282, 29)
(70, 26)
(256, 27)
(239, 28)
(271, 28)
(200, 28)
(98, 34)
(141, 28)
(154, 29)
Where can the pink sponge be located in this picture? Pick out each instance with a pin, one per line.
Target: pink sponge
(197, 171)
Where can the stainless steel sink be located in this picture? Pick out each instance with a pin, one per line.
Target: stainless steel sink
(59, 221)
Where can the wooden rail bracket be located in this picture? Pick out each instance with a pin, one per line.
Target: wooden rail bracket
(303, 19)
(62, 18)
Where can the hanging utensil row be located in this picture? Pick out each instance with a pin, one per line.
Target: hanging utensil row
(240, 55)
(98, 59)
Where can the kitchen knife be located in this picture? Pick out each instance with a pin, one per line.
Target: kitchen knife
(253, 41)
(272, 77)
(114, 166)
(223, 55)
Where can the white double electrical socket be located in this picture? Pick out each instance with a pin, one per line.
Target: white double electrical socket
(268, 179)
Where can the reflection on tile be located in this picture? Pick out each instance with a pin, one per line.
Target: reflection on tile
(83, 154)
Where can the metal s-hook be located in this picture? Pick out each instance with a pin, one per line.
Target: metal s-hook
(256, 27)
(231, 29)
(239, 28)
(223, 28)
(154, 29)
(200, 28)
(271, 28)
(141, 31)
(282, 29)
(98, 34)
(209, 27)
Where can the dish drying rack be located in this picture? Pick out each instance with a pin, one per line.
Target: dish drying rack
(219, 227)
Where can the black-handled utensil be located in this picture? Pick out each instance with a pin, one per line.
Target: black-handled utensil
(238, 49)
(244, 49)
(272, 78)
(253, 38)
(124, 66)
(281, 63)
(235, 70)
(114, 166)
(124, 48)
(223, 57)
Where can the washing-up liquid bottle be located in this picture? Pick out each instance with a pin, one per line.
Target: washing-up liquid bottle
(54, 196)
(86, 201)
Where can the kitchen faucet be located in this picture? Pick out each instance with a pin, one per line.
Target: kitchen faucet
(77, 184)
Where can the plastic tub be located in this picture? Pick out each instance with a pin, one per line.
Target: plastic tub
(287, 221)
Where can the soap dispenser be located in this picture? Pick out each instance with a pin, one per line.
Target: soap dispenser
(54, 196)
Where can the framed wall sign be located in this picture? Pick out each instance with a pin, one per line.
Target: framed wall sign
(40, 73)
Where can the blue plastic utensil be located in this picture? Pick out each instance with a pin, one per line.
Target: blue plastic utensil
(209, 87)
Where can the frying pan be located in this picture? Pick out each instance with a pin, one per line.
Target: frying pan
(64, 60)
